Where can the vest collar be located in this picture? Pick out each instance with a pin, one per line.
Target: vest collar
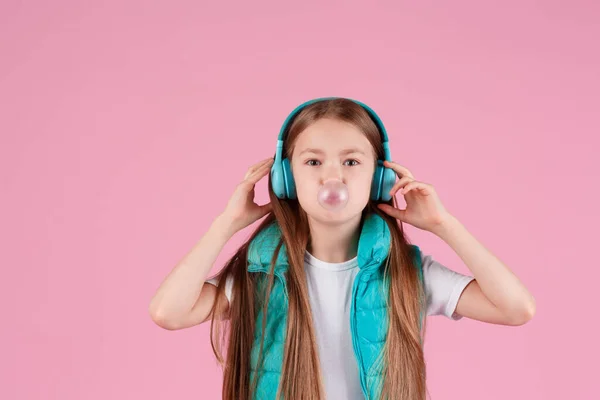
(373, 246)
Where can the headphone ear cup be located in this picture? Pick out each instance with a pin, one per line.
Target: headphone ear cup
(277, 180)
(388, 181)
(288, 177)
(377, 178)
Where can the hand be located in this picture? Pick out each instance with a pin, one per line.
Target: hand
(424, 208)
(241, 210)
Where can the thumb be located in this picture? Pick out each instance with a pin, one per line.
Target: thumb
(265, 209)
(393, 211)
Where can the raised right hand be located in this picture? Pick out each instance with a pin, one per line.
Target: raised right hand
(241, 209)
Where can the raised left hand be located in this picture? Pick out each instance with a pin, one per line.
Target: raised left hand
(424, 208)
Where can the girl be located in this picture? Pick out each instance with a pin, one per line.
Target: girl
(327, 298)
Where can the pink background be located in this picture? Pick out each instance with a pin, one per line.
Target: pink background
(126, 126)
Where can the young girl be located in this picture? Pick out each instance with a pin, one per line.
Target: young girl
(327, 299)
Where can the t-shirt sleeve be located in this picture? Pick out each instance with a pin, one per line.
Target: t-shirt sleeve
(228, 286)
(443, 287)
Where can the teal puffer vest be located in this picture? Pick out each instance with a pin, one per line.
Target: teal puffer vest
(368, 311)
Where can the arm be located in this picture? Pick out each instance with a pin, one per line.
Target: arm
(496, 295)
(182, 300)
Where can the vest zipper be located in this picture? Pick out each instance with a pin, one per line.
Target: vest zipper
(356, 346)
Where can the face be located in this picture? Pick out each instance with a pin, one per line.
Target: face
(332, 149)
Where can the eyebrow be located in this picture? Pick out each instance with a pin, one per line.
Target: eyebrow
(345, 151)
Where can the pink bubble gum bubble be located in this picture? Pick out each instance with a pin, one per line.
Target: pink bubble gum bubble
(333, 195)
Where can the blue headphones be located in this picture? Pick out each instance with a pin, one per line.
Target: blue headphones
(282, 180)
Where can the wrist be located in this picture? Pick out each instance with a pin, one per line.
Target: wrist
(445, 226)
(224, 225)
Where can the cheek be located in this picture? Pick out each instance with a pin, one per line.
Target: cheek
(304, 180)
(306, 188)
(360, 189)
(361, 178)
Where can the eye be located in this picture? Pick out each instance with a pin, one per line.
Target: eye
(308, 162)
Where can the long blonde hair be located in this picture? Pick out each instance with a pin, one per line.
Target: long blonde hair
(404, 366)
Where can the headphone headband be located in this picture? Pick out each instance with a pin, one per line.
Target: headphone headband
(372, 114)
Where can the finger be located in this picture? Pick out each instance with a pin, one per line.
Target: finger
(402, 171)
(259, 173)
(263, 161)
(402, 182)
(266, 208)
(393, 211)
(258, 166)
(422, 187)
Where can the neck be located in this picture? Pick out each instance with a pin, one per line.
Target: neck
(334, 243)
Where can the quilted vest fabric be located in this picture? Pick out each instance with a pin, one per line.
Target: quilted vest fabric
(368, 310)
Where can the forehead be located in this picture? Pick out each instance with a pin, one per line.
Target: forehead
(332, 135)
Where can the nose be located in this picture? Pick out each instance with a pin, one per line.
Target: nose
(332, 170)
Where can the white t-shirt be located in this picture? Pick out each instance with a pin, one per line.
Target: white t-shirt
(330, 291)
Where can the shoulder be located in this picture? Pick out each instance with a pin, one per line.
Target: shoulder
(443, 286)
(228, 284)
